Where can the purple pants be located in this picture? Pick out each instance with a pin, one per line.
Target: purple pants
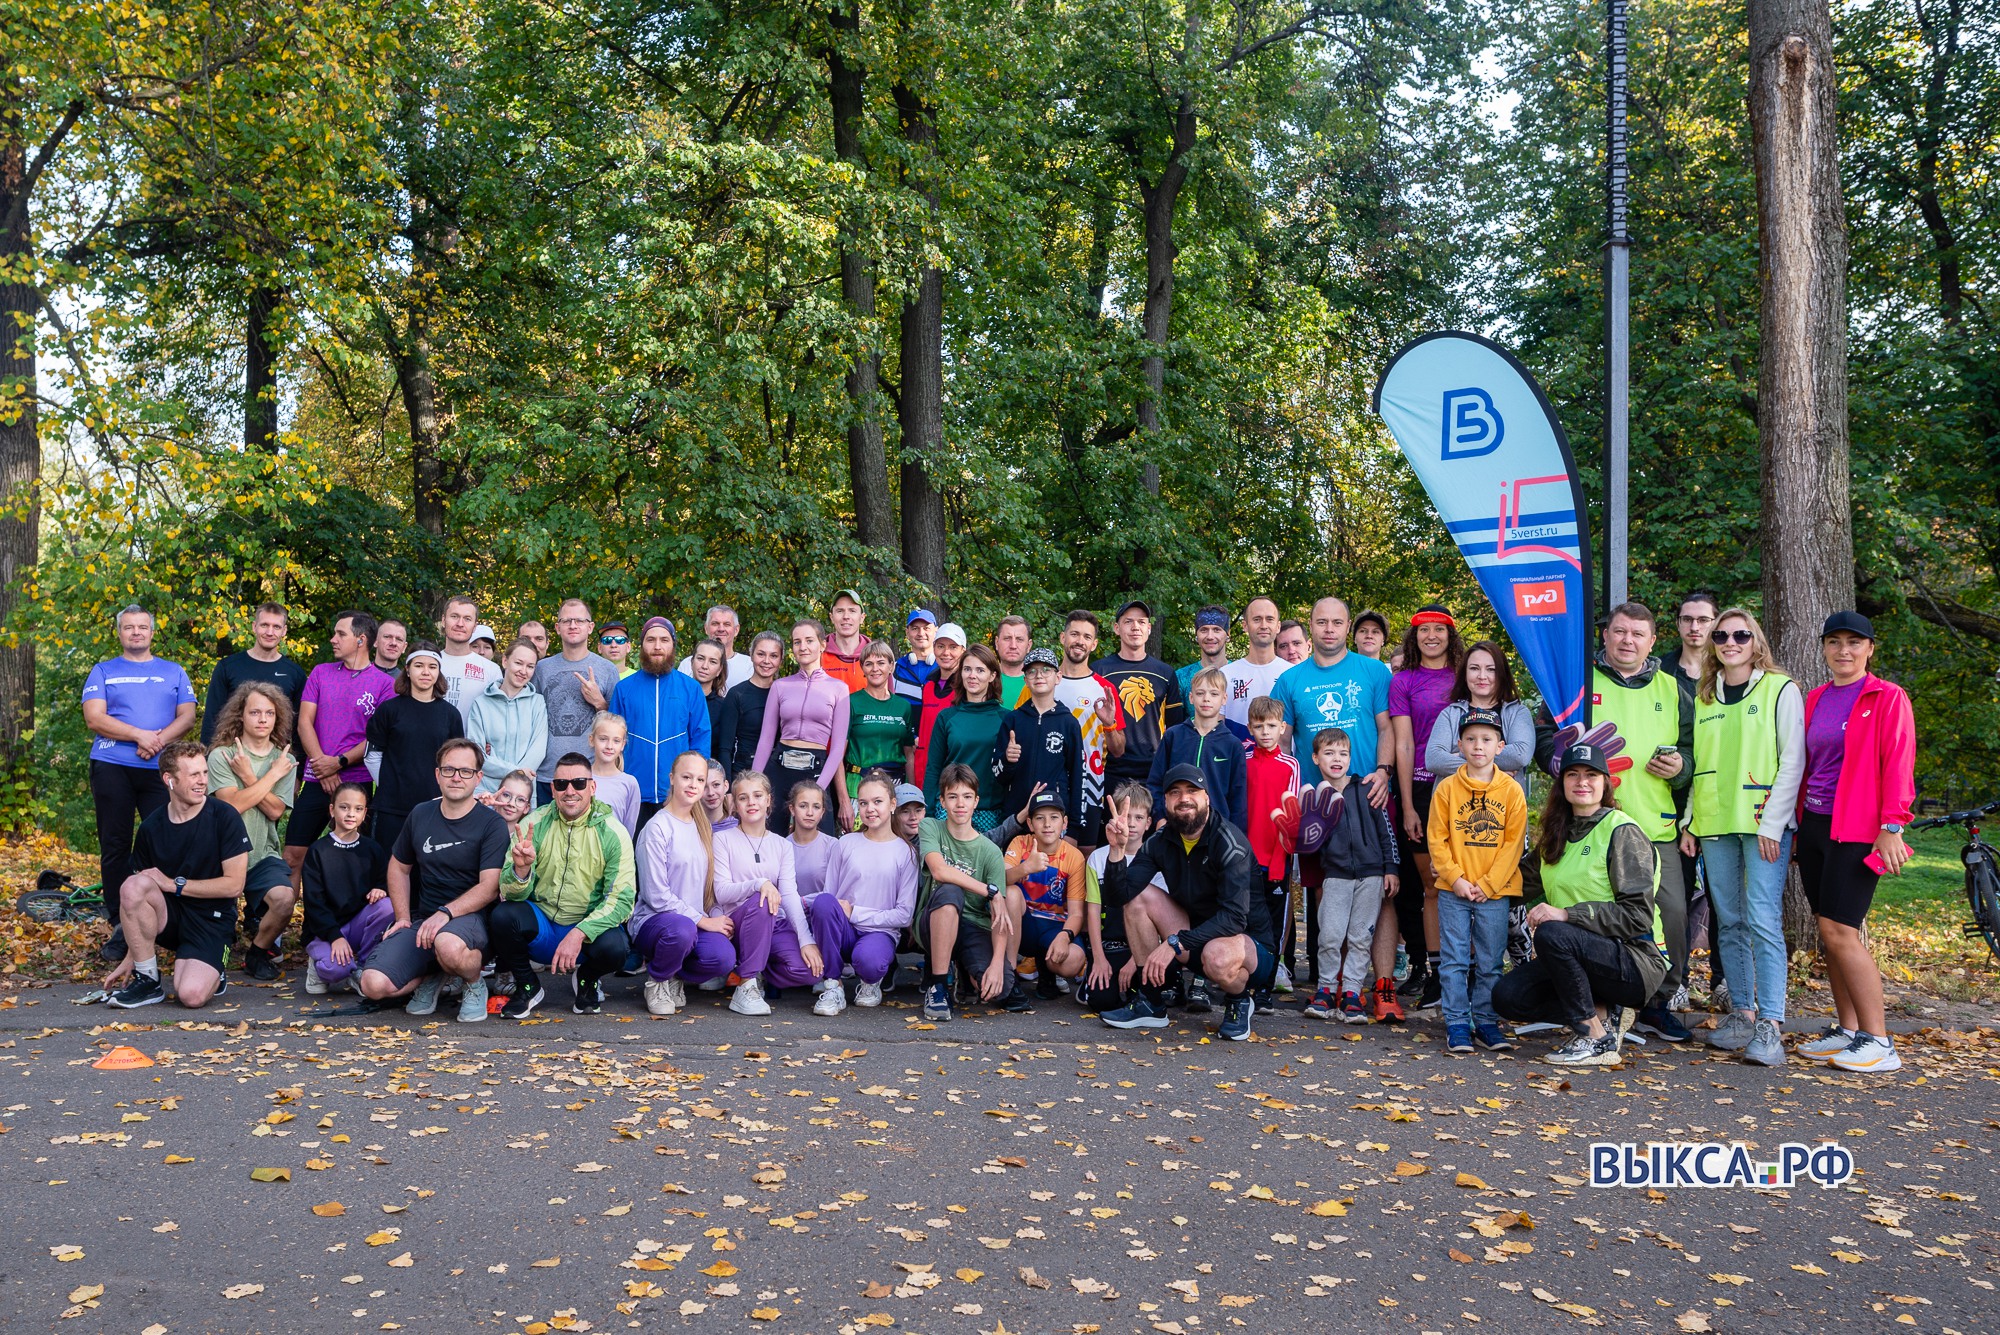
(674, 947)
(363, 931)
(873, 954)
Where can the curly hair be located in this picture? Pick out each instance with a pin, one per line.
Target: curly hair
(229, 723)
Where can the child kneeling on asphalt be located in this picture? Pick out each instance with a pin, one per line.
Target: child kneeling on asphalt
(346, 876)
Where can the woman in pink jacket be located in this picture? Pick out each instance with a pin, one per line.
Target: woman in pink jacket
(1861, 753)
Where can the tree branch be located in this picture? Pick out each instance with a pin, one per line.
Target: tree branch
(18, 210)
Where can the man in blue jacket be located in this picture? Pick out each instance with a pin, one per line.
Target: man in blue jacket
(664, 715)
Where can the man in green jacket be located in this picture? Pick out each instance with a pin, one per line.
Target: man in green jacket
(565, 894)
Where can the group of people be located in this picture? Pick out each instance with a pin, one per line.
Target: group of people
(458, 817)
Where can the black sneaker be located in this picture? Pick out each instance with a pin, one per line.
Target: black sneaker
(221, 986)
(1236, 1013)
(1045, 984)
(1016, 1001)
(1138, 1013)
(1663, 1023)
(1197, 995)
(113, 948)
(140, 990)
(1433, 993)
(259, 964)
(528, 994)
(1414, 984)
(589, 997)
(937, 1001)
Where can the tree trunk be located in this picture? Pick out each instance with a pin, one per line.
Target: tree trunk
(1808, 539)
(867, 459)
(1157, 200)
(20, 444)
(427, 465)
(920, 404)
(260, 370)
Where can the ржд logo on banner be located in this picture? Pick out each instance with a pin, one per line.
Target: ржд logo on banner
(1480, 434)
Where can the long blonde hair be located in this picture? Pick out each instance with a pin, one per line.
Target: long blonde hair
(1711, 663)
(701, 827)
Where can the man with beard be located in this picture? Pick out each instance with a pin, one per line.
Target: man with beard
(664, 714)
(1207, 917)
(1094, 701)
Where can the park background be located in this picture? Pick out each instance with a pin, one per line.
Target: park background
(994, 306)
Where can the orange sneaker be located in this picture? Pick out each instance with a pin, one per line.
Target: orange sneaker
(1383, 1006)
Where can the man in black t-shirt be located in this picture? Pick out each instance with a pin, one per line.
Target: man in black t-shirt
(1147, 690)
(264, 660)
(457, 846)
(188, 865)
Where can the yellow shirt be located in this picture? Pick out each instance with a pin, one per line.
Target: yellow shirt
(1477, 830)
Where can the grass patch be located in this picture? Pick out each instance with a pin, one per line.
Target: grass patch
(1916, 923)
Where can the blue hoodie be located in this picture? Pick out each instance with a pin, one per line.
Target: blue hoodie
(1219, 757)
(664, 716)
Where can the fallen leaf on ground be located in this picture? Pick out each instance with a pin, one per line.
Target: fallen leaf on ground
(242, 1290)
(1467, 1180)
(330, 1210)
(270, 1175)
(1328, 1210)
(1033, 1280)
(86, 1293)
(546, 1262)
(1408, 1169)
(403, 1262)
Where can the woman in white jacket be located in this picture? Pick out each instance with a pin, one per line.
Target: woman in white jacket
(509, 720)
(1484, 682)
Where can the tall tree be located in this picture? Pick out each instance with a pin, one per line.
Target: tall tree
(1802, 436)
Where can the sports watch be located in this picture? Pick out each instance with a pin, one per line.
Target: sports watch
(180, 884)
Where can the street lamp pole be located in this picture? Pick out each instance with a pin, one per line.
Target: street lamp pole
(1617, 315)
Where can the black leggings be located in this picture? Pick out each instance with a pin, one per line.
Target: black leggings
(1409, 900)
(785, 777)
(1574, 971)
(124, 795)
(511, 927)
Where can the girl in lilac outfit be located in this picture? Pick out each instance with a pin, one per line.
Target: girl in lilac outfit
(811, 848)
(674, 926)
(755, 885)
(871, 897)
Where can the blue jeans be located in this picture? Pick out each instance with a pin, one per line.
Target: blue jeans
(1472, 941)
(1747, 896)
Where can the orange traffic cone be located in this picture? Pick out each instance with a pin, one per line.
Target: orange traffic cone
(122, 1059)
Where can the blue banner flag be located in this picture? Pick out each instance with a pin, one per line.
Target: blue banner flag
(1487, 445)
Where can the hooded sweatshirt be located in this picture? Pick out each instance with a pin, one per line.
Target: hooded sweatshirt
(511, 733)
(1051, 754)
(664, 716)
(878, 877)
(1267, 777)
(583, 875)
(1361, 842)
(1218, 754)
(672, 870)
(1476, 831)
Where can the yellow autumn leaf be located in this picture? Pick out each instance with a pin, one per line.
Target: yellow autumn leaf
(330, 1210)
(1468, 1180)
(1408, 1169)
(1328, 1210)
(763, 1314)
(720, 1270)
(968, 1274)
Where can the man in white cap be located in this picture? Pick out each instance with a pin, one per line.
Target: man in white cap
(941, 691)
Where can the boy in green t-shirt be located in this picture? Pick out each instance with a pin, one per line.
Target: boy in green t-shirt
(966, 912)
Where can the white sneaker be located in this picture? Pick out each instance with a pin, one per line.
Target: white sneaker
(314, 985)
(1834, 1040)
(1282, 984)
(424, 1001)
(1679, 1001)
(472, 1004)
(749, 998)
(660, 996)
(1867, 1053)
(868, 994)
(677, 993)
(831, 1001)
(713, 985)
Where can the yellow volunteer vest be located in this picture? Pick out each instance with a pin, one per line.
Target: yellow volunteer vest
(1647, 717)
(1584, 874)
(1735, 759)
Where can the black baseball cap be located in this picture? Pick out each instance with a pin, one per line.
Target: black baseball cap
(1187, 774)
(1851, 622)
(1139, 603)
(1370, 614)
(1481, 718)
(1047, 802)
(1582, 755)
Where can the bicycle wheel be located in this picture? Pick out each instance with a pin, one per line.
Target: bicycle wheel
(43, 905)
(1982, 889)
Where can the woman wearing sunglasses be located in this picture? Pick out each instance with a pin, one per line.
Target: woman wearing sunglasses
(1749, 759)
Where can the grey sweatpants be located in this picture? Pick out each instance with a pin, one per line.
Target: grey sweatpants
(1347, 913)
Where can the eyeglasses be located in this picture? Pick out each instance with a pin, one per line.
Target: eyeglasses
(1734, 636)
(573, 621)
(569, 785)
(456, 772)
(614, 639)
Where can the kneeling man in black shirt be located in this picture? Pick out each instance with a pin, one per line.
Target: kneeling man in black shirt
(188, 865)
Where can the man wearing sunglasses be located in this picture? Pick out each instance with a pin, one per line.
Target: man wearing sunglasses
(615, 643)
(566, 893)
(448, 857)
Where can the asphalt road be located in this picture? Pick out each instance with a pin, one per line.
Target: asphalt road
(1027, 1173)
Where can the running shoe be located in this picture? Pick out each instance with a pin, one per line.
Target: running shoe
(527, 996)
(1236, 1013)
(140, 990)
(1138, 1013)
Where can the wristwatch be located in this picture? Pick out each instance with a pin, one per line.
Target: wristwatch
(180, 884)
(1892, 827)
(992, 890)
(1175, 942)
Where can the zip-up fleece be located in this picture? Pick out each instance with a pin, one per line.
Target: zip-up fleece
(583, 875)
(512, 733)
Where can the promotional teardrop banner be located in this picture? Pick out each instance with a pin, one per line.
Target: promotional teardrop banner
(1489, 450)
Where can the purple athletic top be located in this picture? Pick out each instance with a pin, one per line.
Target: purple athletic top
(812, 710)
(672, 866)
(344, 700)
(809, 863)
(878, 877)
(1826, 745)
(1420, 694)
(743, 863)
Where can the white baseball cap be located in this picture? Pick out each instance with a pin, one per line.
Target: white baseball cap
(484, 633)
(952, 631)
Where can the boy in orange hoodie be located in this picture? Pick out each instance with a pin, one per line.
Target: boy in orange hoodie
(1479, 819)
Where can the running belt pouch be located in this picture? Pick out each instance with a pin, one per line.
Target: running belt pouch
(795, 759)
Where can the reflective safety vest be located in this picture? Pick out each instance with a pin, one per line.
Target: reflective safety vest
(1648, 717)
(1583, 876)
(1735, 759)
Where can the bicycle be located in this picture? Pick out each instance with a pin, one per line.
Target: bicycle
(58, 898)
(1982, 873)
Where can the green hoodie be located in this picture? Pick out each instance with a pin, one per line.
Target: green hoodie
(582, 876)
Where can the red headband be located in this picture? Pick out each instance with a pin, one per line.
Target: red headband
(1433, 619)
